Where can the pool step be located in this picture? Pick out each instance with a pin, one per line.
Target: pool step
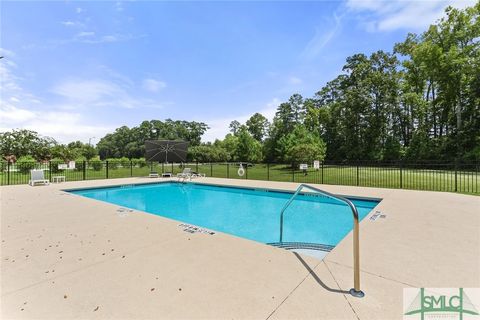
(302, 245)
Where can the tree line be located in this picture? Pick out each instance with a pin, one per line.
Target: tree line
(421, 101)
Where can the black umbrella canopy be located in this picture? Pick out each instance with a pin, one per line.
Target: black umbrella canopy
(166, 150)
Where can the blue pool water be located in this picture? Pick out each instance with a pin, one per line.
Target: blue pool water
(248, 213)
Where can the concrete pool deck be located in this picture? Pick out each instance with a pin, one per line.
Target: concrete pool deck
(68, 257)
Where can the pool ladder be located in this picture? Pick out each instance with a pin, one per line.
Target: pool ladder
(355, 291)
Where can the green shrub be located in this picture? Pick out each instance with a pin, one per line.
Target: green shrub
(113, 163)
(79, 163)
(25, 164)
(97, 165)
(141, 163)
(124, 162)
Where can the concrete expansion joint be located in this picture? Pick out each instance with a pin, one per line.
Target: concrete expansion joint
(291, 292)
(338, 286)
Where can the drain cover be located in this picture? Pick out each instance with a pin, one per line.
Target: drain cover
(194, 229)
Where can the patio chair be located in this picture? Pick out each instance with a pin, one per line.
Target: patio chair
(37, 176)
(153, 174)
(186, 173)
(198, 175)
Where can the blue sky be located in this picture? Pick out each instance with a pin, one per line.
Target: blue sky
(75, 70)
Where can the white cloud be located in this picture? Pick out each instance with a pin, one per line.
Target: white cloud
(86, 90)
(119, 6)
(62, 126)
(89, 93)
(85, 34)
(7, 80)
(5, 52)
(72, 24)
(68, 23)
(91, 38)
(79, 10)
(153, 85)
(10, 89)
(322, 37)
(295, 80)
(219, 127)
(109, 38)
(20, 109)
(65, 117)
(376, 15)
(10, 113)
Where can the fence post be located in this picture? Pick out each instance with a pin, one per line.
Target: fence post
(246, 171)
(84, 169)
(131, 168)
(172, 168)
(106, 169)
(228, 170)
(50, 170)
(357, 175)
(196, 166)
(293, 172)
(211, 169)
(8, 173)
(476, 176)
(163, 169)
(322, 172)
(401, 174)
(456, 169)
(268, 171)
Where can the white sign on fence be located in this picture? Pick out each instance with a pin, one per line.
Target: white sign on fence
(71, 165)
(303, 166)
(62, 166)
(316, 164)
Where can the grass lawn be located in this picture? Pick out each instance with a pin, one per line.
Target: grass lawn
(386, 177)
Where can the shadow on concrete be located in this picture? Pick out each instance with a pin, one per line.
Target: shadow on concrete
(314, 275)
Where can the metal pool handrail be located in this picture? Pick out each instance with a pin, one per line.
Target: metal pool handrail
(355, 291)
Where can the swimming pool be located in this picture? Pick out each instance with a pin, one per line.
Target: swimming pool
(245, 212)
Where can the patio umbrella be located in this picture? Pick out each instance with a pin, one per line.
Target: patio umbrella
(166, 150)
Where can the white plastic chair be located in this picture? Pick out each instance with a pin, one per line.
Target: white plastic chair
(187, 172)
(37, 176)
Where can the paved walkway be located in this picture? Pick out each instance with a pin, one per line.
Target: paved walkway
(69, 257)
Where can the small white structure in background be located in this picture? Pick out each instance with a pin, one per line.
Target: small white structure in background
(58, 179)
(62, 166)
(71, 165)
(316, 164)
(37, 176)
(241, 171)
(304, 168)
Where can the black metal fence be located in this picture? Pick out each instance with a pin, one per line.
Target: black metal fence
(435, 176)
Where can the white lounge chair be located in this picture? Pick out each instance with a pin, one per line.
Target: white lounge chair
(186, 173)
(37, 176)
(198, 175)
(153, 174)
